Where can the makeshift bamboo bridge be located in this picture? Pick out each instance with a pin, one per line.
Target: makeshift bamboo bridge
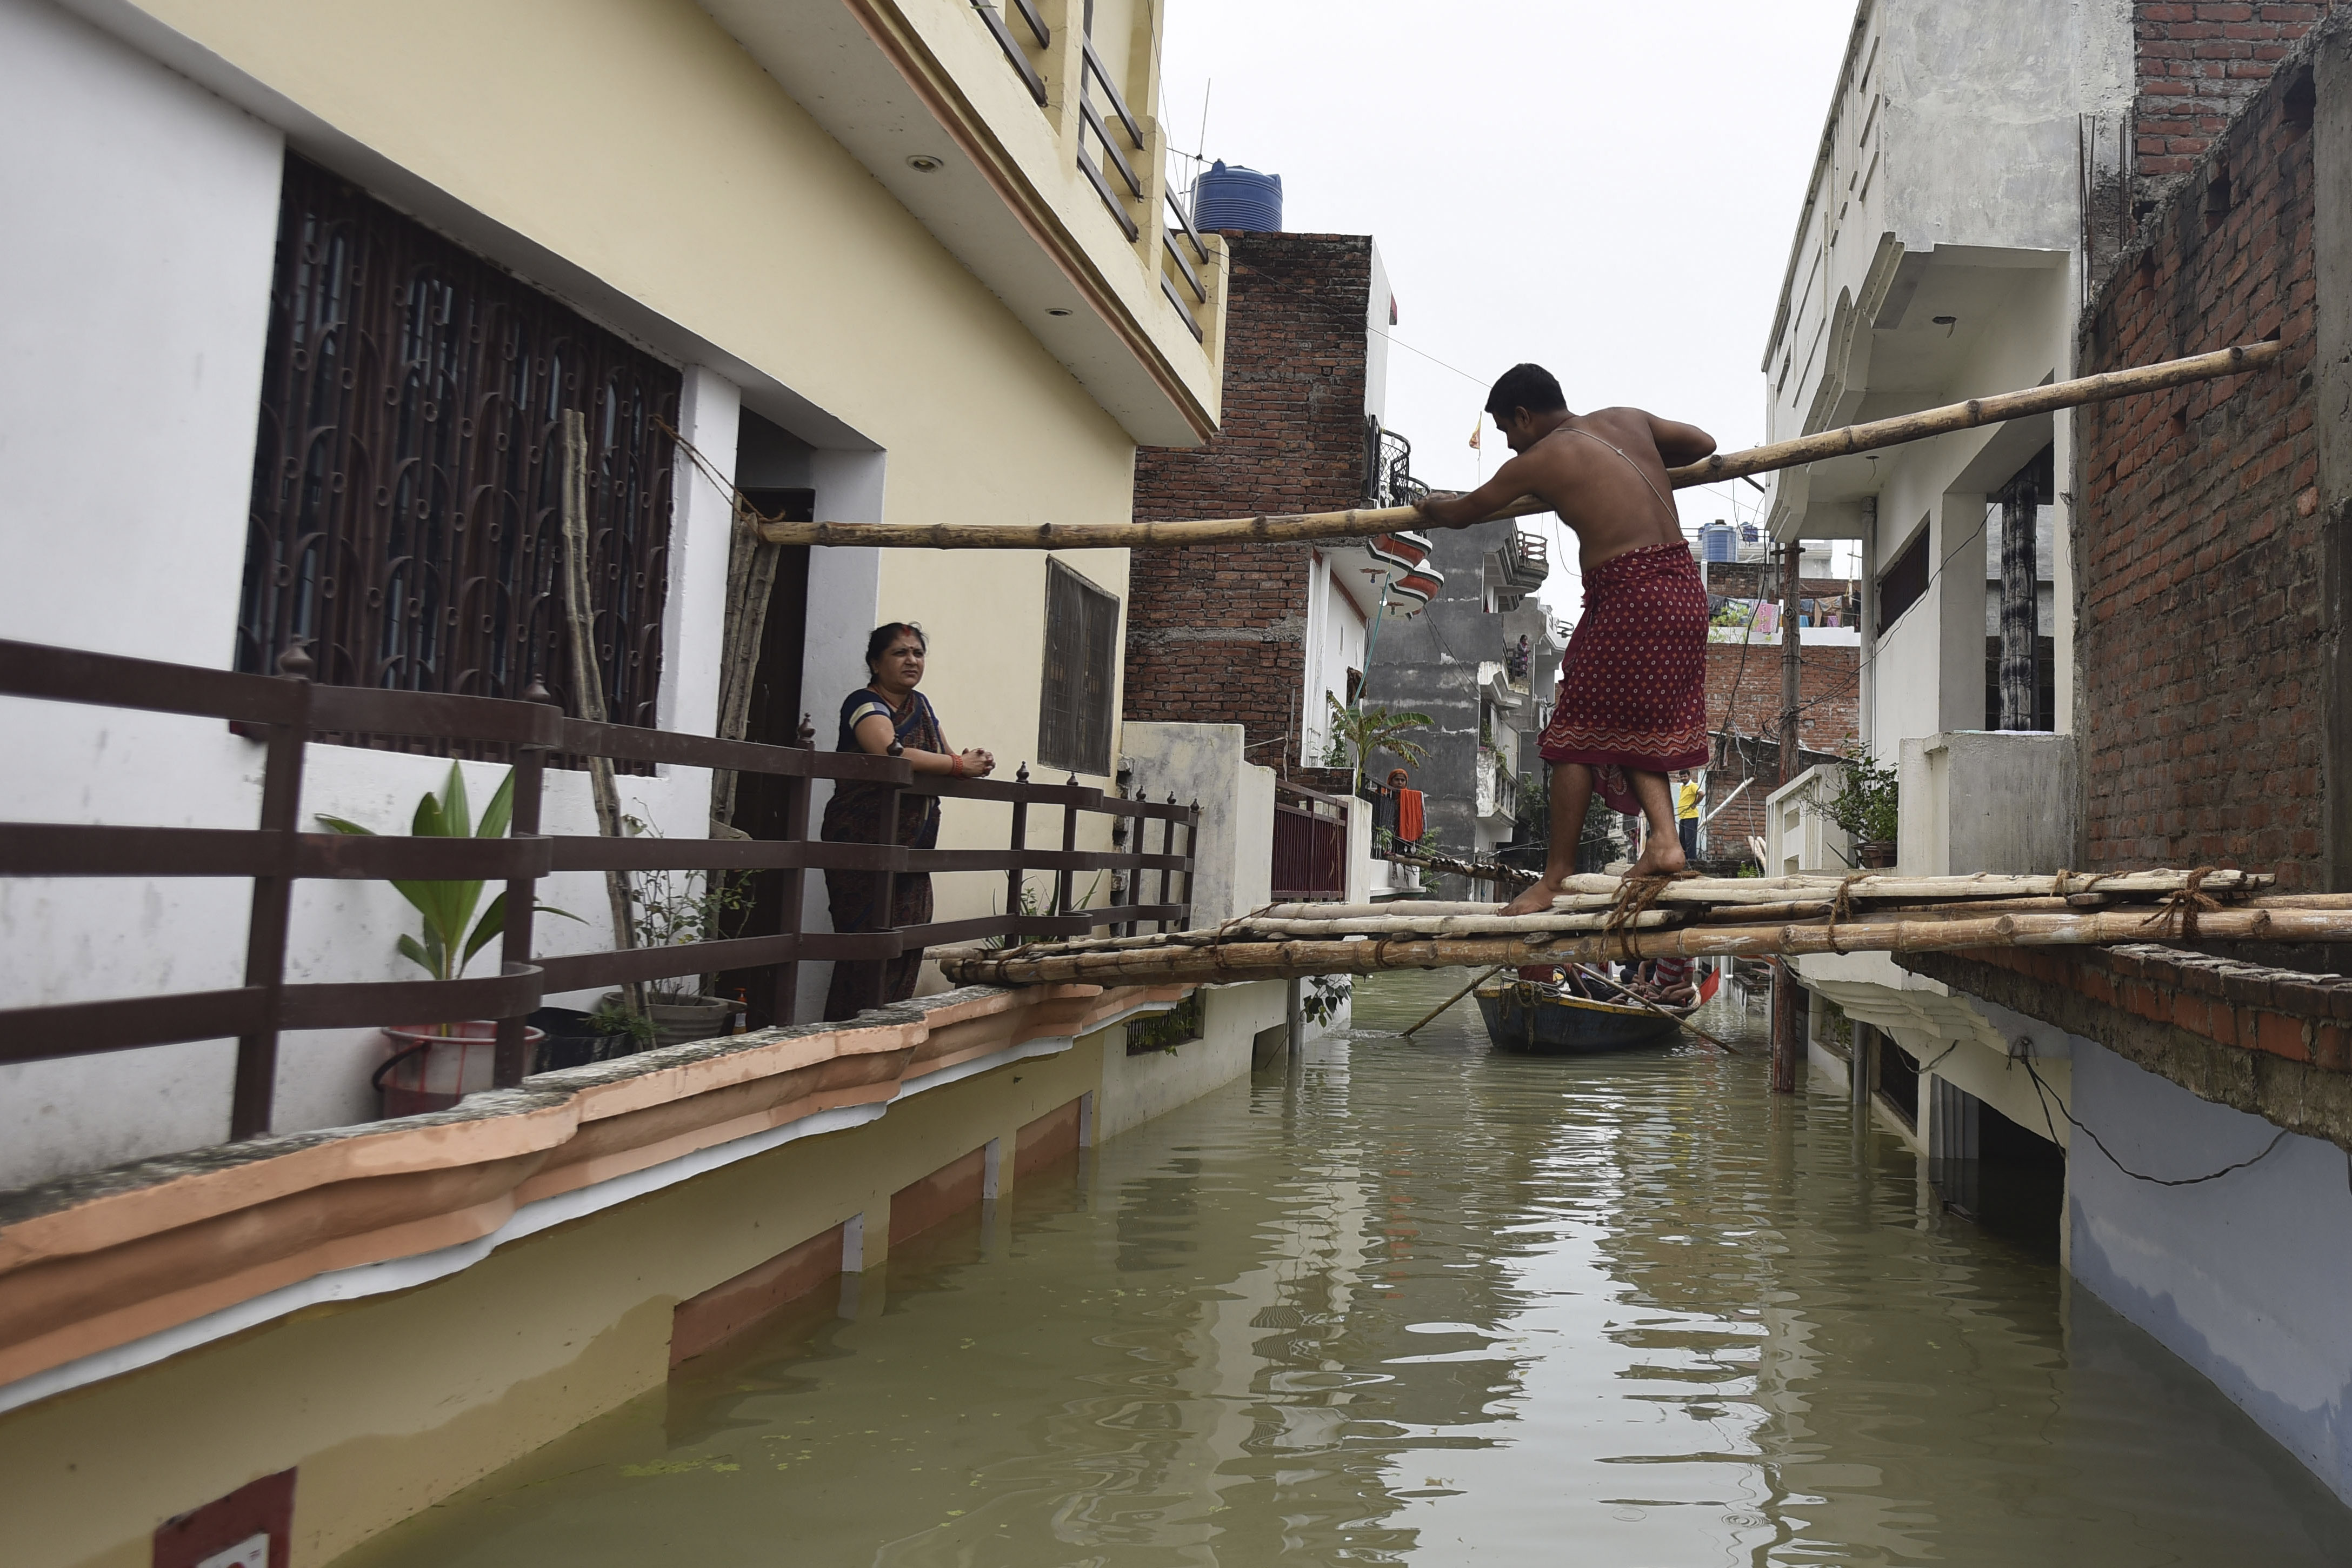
(1602, 918)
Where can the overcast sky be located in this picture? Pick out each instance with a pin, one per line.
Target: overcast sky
(1607, 189)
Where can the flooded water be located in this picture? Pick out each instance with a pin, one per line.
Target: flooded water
(1415, 1302)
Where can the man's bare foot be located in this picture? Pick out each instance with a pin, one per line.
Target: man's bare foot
(1664, 858)
(1536, 900)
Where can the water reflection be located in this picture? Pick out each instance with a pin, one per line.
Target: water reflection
(1413, 1302)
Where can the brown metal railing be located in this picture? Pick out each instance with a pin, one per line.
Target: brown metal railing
(285, 712)
(1310, 844)
(1014, 55)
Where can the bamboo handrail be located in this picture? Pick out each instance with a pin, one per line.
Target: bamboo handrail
(1361, 522)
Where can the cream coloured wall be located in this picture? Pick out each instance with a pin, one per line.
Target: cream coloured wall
(727, 228)
(390, 1404)
(717, 202)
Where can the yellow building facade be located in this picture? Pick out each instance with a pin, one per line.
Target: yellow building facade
(905, 259)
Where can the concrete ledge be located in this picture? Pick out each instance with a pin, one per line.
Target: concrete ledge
(93, 1262)
(2269, 1041)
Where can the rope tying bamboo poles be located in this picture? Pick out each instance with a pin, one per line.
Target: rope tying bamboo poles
(1600, 918)
(1361, 523)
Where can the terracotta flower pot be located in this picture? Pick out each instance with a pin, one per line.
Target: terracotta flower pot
(431, 1067)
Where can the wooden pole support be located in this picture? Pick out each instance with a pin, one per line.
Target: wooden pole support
(1363, 522)
(1786, 1047)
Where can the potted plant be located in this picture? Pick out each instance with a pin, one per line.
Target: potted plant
(1867, 807)
(431, 1067)
(672, 909)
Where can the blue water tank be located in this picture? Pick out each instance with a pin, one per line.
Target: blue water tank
(1718, 542)
(1238, 198)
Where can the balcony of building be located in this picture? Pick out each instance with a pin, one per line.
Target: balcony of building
(1011, 131)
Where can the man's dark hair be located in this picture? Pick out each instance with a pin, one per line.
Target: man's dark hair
(1530, 387)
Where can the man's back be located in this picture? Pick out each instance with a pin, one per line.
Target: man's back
(1615, 500)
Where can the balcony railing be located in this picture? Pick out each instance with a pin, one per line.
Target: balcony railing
(1192, 275)
(1519, 567)
(1096, 75)
(995, 19)
(286, 713)
(1310, 844)
(1100, 105)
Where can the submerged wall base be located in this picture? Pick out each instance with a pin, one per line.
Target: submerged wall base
(398, 1381)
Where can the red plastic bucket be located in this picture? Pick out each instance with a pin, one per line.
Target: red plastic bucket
(431, 1067)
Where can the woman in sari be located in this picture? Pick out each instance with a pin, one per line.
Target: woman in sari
(887, 718)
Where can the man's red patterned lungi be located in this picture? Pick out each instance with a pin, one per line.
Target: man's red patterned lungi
(1632, 686)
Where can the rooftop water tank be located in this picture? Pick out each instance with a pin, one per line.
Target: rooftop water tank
(1718, 542)
(1238, 198)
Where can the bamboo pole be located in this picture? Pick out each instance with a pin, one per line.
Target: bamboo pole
(1638, 999)
(1593, 890)
(1476, 982)
(1362, 522)
(1270, 927)
(1579, 892)
(1233, 962)
(588, 682)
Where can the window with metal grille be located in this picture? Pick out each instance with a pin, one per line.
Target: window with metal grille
(405, 526)
(1901, 585)
(1081, 664)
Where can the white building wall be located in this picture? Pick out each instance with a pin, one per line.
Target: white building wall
(130, 381)
(1336, 632)
(2243, 1277)
(128, 404)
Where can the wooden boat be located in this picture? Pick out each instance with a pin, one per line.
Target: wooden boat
(1548, 1020)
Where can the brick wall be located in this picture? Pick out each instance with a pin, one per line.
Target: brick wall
(1745, 697)
(1217, 636)
(2201, 614)
(2275, 1042)
(2197, 64)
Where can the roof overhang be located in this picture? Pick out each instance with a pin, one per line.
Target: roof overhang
(1932, 323)
(872, 80)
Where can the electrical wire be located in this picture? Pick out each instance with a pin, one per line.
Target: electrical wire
(1433, 359)
(2046, 1094)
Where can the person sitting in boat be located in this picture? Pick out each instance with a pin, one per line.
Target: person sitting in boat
(1667, 982)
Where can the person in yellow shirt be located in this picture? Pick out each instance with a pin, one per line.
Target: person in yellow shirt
(1686, 801)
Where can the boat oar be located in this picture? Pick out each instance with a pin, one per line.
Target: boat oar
(1644, 1001)
(1457, 997)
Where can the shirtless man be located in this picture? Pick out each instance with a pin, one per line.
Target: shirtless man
(1633, 690)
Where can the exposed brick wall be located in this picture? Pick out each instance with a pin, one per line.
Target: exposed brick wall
(2201, 616)
(2275, 1042)
(2197, 64)
(1745, 697)
(1748, 696)
(1218, 636)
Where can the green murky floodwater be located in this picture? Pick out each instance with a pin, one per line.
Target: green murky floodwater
(1414, 1303)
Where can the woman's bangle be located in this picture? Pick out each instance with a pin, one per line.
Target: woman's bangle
(955, 764)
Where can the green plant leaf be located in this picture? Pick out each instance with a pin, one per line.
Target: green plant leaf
(457, 817)
(500, 814)
(493, 921)
(414, 952)
(425, 821)
(345, 825)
